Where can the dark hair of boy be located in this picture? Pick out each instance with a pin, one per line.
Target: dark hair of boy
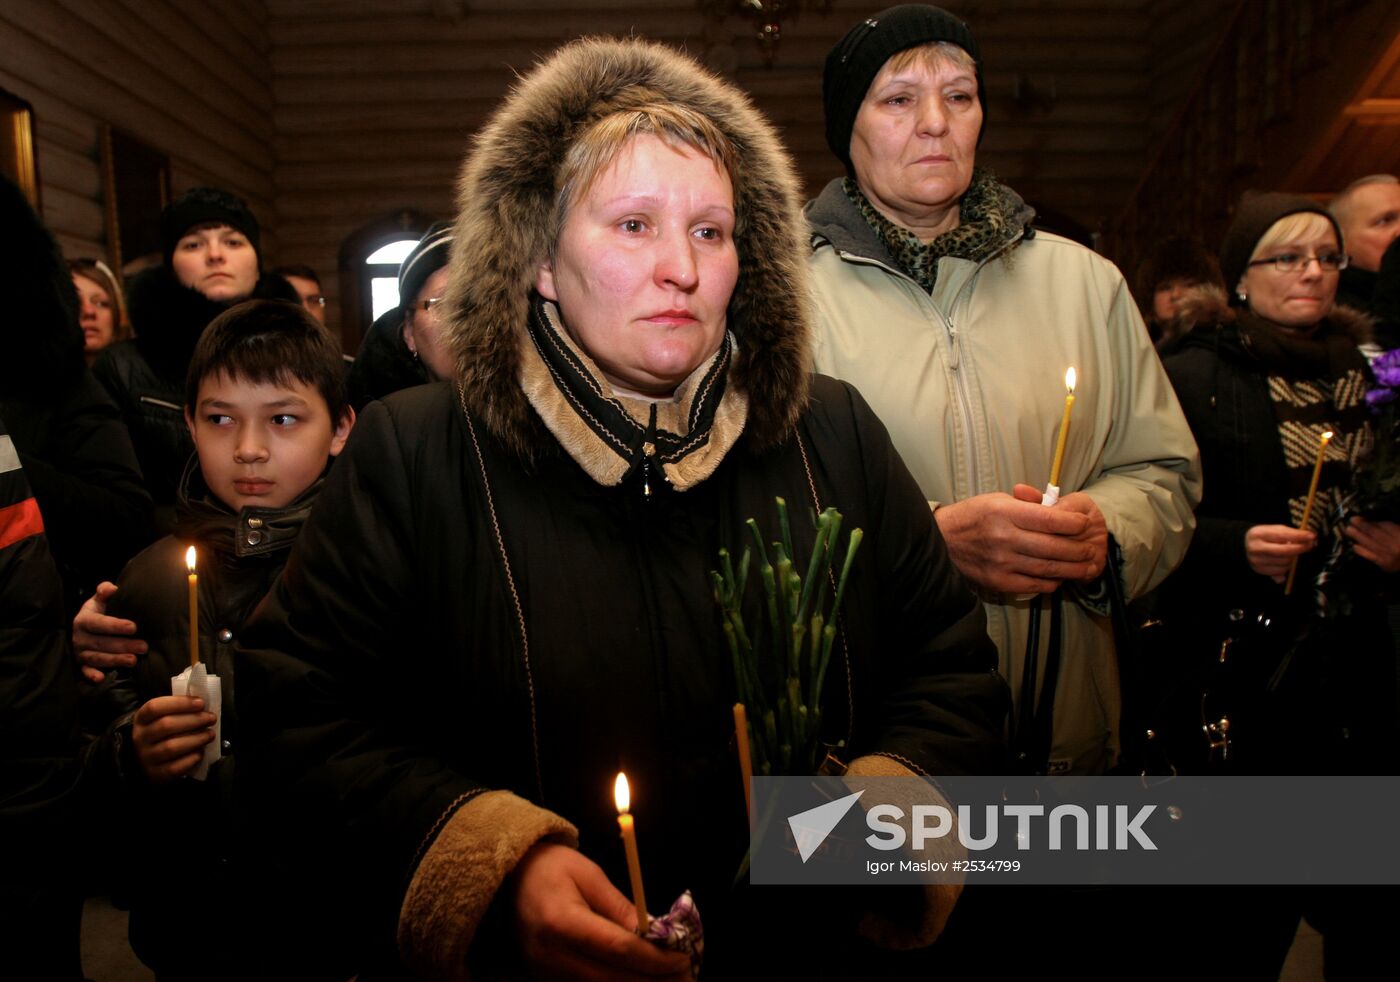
(270, 341)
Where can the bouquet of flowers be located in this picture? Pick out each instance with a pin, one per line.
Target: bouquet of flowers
(780, 663)
(1378, 477)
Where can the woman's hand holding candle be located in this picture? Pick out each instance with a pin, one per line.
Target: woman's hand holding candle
(572, 923)
(1271, 550)
(1012, 544)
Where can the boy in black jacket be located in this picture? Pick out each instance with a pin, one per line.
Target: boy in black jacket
(265, 403)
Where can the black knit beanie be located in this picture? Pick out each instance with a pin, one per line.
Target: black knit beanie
(427, 257)
(1255, 215)
(199, 205)
(853, 64)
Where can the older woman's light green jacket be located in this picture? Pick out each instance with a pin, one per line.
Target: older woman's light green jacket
(970, 382)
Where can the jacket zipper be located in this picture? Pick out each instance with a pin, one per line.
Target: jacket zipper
(954, 344)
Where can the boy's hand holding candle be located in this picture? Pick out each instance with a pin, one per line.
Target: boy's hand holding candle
(170, 735)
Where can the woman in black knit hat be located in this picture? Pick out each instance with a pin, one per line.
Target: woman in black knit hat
(1261, 380)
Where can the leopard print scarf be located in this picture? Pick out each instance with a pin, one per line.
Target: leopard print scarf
(988, 218)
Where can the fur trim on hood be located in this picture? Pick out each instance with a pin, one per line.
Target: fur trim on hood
(505, 226)
(1207, 306)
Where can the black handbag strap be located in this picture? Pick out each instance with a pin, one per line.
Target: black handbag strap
(1035, 723)
(1138, 753)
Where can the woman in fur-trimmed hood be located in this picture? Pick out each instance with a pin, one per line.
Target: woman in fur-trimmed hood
(503, 598)
(509, 220)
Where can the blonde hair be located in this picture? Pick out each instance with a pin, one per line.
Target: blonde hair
(1291, 228)
(933, 55)
(100, 273)
(679, 127)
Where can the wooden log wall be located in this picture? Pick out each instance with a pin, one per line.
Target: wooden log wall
(376, 100)
(193, 80)
(1181, 38)
(333, 115)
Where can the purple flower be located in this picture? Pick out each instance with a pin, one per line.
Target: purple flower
(1387, 368)
(1379, 396)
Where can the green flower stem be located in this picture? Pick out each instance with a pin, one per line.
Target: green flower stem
(780, 668)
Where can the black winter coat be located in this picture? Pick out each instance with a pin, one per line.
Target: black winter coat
(75, 451)
(384, 364)
(239, 558)
(80, 463)
(146, 376)
(39, 765)
(1329, 713)
(387, 672)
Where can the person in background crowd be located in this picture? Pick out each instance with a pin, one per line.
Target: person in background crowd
(1368, 212)
(404, 346)
(628, 394)
(76, 453)
(938, 299)
(1261, 379)
(40, 792)
(101, 305)
(308, 286)
(1172, 269)
(210, 241)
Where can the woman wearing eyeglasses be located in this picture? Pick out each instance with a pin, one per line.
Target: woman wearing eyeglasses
(1261, 379)
(1305, 678)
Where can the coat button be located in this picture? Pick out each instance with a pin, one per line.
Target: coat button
(255, 523)
(228, 746)
(254, 538)
(225, 635)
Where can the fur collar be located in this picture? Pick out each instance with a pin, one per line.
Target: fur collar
(168, 318)
(1207, 307)
(505, 227)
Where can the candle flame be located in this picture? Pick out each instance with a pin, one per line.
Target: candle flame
(1326, 436)
(621, 794)
(189, 558)
(1069, 379)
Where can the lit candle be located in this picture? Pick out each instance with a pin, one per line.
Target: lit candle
(194, 607)
(1325, 439)
(741, 732)
(629, 843)
(1064, 432)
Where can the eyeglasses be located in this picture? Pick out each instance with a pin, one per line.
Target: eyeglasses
(1293, 262)
(429, 304)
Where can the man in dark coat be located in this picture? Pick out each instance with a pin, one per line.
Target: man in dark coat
(1368, 212)
(76, 452)
(40, 904)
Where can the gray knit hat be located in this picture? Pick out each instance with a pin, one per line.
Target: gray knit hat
(853, 64)
(427, 257)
